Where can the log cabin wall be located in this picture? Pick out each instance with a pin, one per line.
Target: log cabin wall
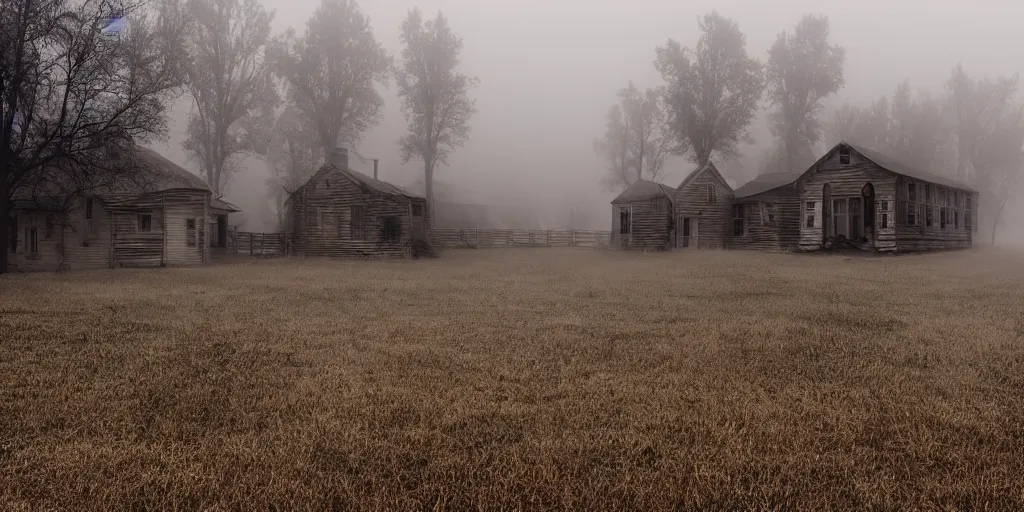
(711, 209)
(164, 228)
(335, 217)
(930, 216)
(771, 220)
(846, 181)
(650, 224)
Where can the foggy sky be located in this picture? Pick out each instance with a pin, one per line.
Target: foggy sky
(549, 70)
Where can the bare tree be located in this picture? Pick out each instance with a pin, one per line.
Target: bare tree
(635, 144)
(988, 122)
(230, 81)
(713, 91)
(802, 70)
(73, 96)
(293, 155)
(435, 95)
(332, 71)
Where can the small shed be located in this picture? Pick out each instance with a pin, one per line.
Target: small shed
(340, 212)
(642, 217)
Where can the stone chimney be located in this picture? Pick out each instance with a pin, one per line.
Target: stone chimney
(339, 157)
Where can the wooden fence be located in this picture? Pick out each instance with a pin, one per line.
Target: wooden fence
(519, 238)
(280, 244)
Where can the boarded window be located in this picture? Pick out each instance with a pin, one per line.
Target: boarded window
(417, 210)
(190, 232)
(357, 228)
(392, 229)
(711, 193)
(738, 219)
(145, 222)
(809, 214)
(624, 220)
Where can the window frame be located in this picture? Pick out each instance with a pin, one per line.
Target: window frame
(357, 230)
(810, 208)
(142, 225)
(741, 208)
(190, 239)
(844, 155)
(391, 234)
(625, 213)
(712, 194)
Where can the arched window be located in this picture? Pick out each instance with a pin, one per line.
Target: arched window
(711, 193)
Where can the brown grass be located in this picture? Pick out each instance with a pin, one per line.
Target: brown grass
(518, 379)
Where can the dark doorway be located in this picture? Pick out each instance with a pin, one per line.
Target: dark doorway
(222, 231)
(826, 210)
(868, 193)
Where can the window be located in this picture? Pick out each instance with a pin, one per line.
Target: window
(738, 219)
(839, 220)
(809, 214)
(624, 220)
(911, 193)
(911, 213)
(956, 219)
(711, 193)
(883, 208)
(417, 210)
(928, 194)
(357, 228)
(943, 217)
(87, 224)
(88, 209)
(31, 242)
(928, 214)
(190, 232)
(844, 155)
(392, 229)
(145, 223)
(49, 226)
(768, 214)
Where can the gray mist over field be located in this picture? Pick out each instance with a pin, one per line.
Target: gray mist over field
(550, 70)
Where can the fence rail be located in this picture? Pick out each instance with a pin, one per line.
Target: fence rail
(281, 244)
(519, 238)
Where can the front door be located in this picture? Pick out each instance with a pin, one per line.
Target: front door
(417, 222)
(687, 233)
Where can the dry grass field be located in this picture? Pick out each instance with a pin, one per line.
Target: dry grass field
(531, 379)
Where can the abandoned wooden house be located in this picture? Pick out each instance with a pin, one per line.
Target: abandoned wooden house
(642, 217)
(156, 218)
(339, 212)
(878, 203)
(702, 203)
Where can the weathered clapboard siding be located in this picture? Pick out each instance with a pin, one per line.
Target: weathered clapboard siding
(322, 213)
(846, 181)
(713, 217)
(919, 236)
(763, 232)
(184, 242)
(650, 224)
(65, 241)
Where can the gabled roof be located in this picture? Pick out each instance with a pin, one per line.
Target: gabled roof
(642, 190)
(365, 182)
(895, 166)
(220, 204)
(772, 181)
(766, 182)
(709, 166)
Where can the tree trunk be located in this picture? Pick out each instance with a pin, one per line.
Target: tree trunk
(5, 224)
(428, 181)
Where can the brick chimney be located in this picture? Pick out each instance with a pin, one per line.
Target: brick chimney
(339, 157)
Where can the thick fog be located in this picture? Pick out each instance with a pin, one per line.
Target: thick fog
(549, 70)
